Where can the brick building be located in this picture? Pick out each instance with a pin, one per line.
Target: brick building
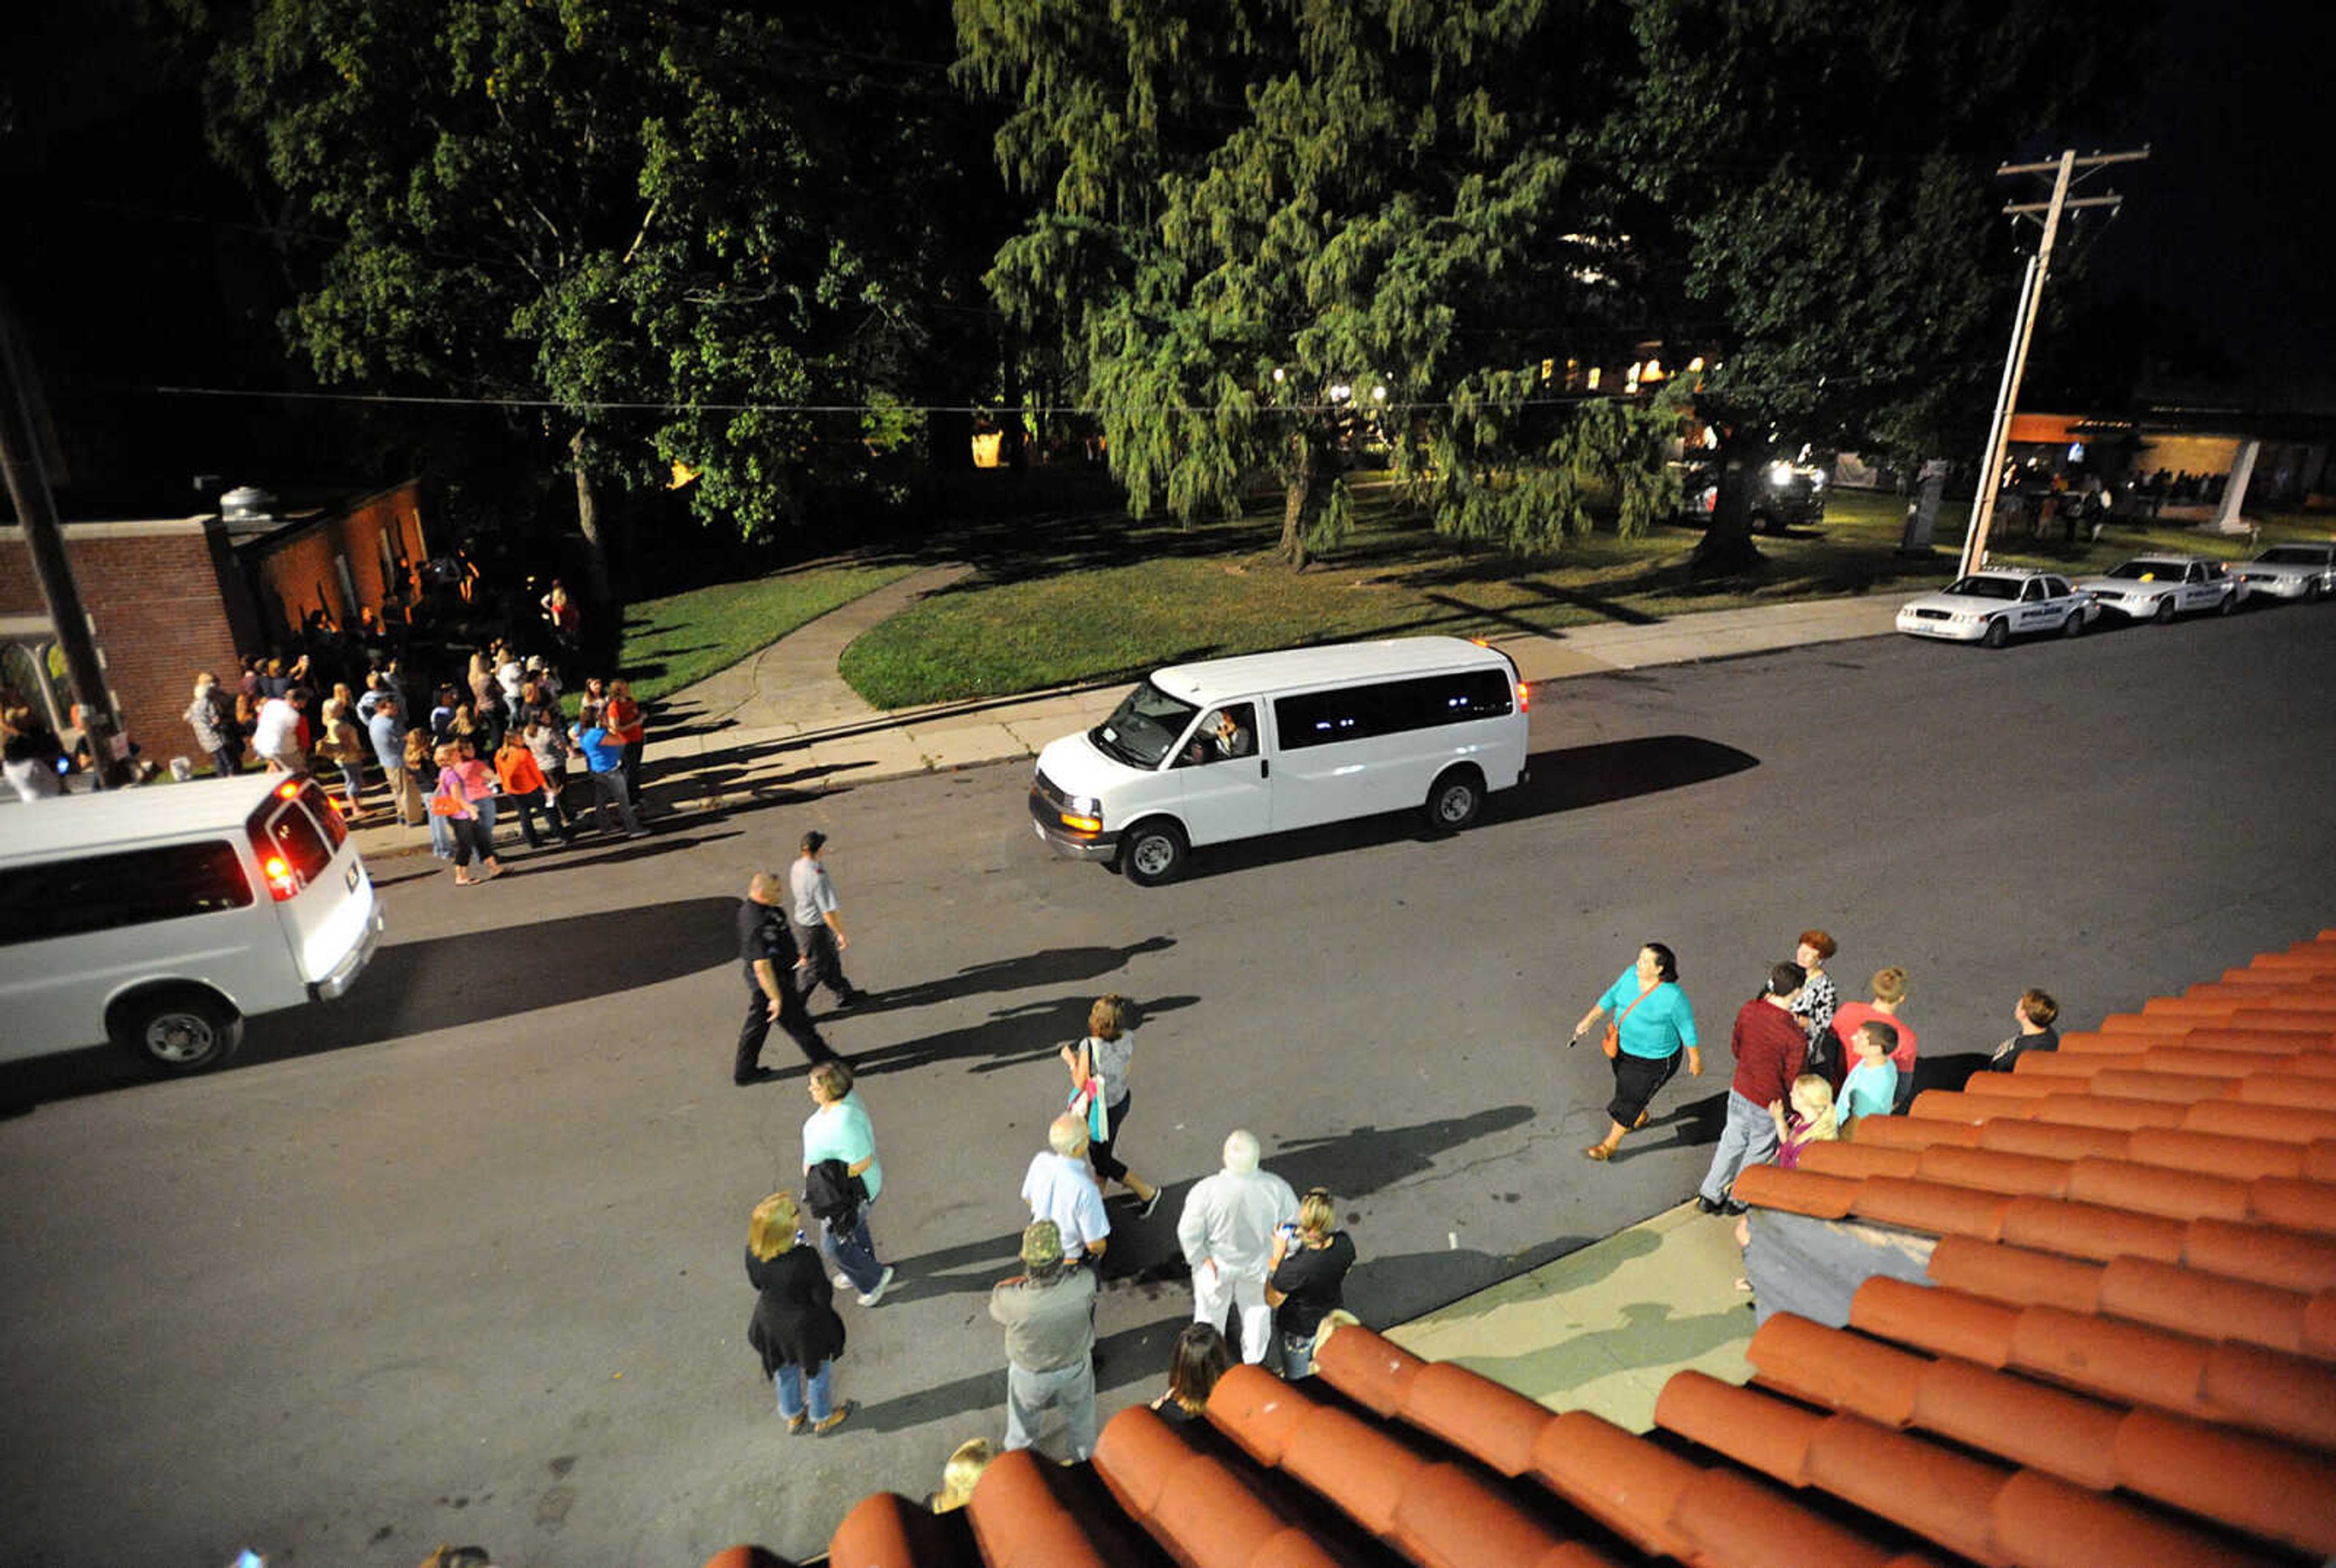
(169, 596)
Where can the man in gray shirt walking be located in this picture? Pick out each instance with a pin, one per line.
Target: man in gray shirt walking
(818, 926)
(1049, 1318)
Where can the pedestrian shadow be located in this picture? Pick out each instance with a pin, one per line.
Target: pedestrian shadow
(1014, 1036)
(1047, 967)
(1369, 1158)
(1139, 1354)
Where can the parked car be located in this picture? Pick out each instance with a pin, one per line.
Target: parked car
(2306, 571)
(1784, 495)
(2161, 586)
(1998, 604)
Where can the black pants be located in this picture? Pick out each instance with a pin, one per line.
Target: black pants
(823, 963)
(1636, 1080)
(542, 801)
(1108, 1166)
(793, 1017)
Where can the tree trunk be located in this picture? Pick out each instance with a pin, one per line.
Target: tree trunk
(587, 521)
(1727, 548)
(1298, 505)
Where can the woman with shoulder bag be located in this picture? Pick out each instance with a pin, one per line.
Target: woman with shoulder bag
(794, 1329)
(1653, 1029)
(1098, 1066)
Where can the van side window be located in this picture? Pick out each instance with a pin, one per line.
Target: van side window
(103, 892)
(1390, 707)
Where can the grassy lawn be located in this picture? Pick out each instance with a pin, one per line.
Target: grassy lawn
(670, 643)
(1099, 597)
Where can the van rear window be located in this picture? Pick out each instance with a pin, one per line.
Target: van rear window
(1390, 707)
(105, 893)
(293, 834)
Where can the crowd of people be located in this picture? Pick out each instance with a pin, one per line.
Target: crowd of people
(1268, 1267)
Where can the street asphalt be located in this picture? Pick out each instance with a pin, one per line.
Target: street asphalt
(458, 1258)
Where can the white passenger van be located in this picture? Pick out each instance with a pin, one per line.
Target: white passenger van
(162, 917)
(1228, 748)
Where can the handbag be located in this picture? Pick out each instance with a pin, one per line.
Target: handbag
(442, 805)
(1611, 1042)
(1086, 1100)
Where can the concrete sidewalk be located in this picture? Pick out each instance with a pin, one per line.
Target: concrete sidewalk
(782, 724)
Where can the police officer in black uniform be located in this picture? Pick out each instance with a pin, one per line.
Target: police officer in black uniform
(767, 948)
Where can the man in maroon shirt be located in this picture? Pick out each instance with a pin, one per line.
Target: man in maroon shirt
(1770, 1045)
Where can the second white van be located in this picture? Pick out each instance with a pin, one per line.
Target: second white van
(1230, 748)
(161, 917)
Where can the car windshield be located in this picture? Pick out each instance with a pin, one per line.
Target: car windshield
(2293, 555)
(1987, 587)
(1143, 727)
(2142, 570)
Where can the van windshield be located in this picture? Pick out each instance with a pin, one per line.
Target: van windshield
(1143, 727)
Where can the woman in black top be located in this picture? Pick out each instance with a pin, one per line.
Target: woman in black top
(794, 1328)
(1306, 1278)
(1201, 1359)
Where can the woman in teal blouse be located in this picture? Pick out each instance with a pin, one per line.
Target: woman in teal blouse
(1658, 1028)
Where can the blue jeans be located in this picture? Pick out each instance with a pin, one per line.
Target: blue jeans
(1749, 1138)
(853, 1252)
(1296, 1356)
(799, 1394)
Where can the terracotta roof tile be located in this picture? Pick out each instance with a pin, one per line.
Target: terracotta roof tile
(2018, 1276)
(1373, 1371)
(2123, 1361)
(2282, 1088)
(1020, 1523)
(2276, 1122)
(1257, 1411)
(2014, 1085)
(2043, 1523)
(2208, 1305)
(2154, 1084)
(1619, 1479)
(1944, 1323)
(1728, 1518)
(1940, 1494)
(2292, 1260)
(1994, 1171)
(2082, 1110)
(1793, 1192)
(1948, 1106)
(2291, 1397)
(2189, 1056)
(1476, 1415)
(2067, 1434)
(2320, 1325)
(1913, 1133)
(888, 1530)
(1355, 1465)
(1934, 1208)
(1828, 1366)
(2299, 1206)
(2074, 1064)
(1447, 1518)
(2320, 1161)
(1860, 1160)
(2050, 1140)
(2156, 1190)
(2266, 1488)
(1771, 1436)
(2214, 1153)
(2091, 1231)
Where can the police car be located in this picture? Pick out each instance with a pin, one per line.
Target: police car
(2160, 586)
(1996, 604)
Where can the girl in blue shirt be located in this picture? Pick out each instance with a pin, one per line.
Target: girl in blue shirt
(1656, 1027)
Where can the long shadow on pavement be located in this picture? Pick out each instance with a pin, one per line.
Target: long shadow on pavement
(1570, 778)
(1012, 1036)
(1046, 967)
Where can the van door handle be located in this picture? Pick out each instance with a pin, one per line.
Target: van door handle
(1264, 768)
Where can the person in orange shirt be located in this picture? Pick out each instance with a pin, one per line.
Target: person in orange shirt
(627, 728)
(523, 786)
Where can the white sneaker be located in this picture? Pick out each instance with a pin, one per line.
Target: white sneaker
(883, 1285)
(843, 1282)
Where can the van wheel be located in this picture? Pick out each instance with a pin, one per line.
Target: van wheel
(183, 1030)
(1153, 853)
(1456, 800)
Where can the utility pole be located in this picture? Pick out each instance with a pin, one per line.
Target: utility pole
(2065, 170)
(37, 514)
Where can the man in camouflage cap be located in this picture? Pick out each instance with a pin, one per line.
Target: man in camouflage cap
(1049, 1318)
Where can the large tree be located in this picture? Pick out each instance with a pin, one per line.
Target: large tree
(1811, 181)
(670, 234)
(1264, 226)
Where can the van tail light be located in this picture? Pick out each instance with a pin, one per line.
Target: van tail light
(1524, 697)
(289, 790)
(281, 883)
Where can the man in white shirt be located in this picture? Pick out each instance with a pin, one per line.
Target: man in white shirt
(818, 928)
(276, 732)
(1059, 1186)
(1227, 1234)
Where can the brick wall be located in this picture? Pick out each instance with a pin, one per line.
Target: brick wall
(152, 589)
(296, 572)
